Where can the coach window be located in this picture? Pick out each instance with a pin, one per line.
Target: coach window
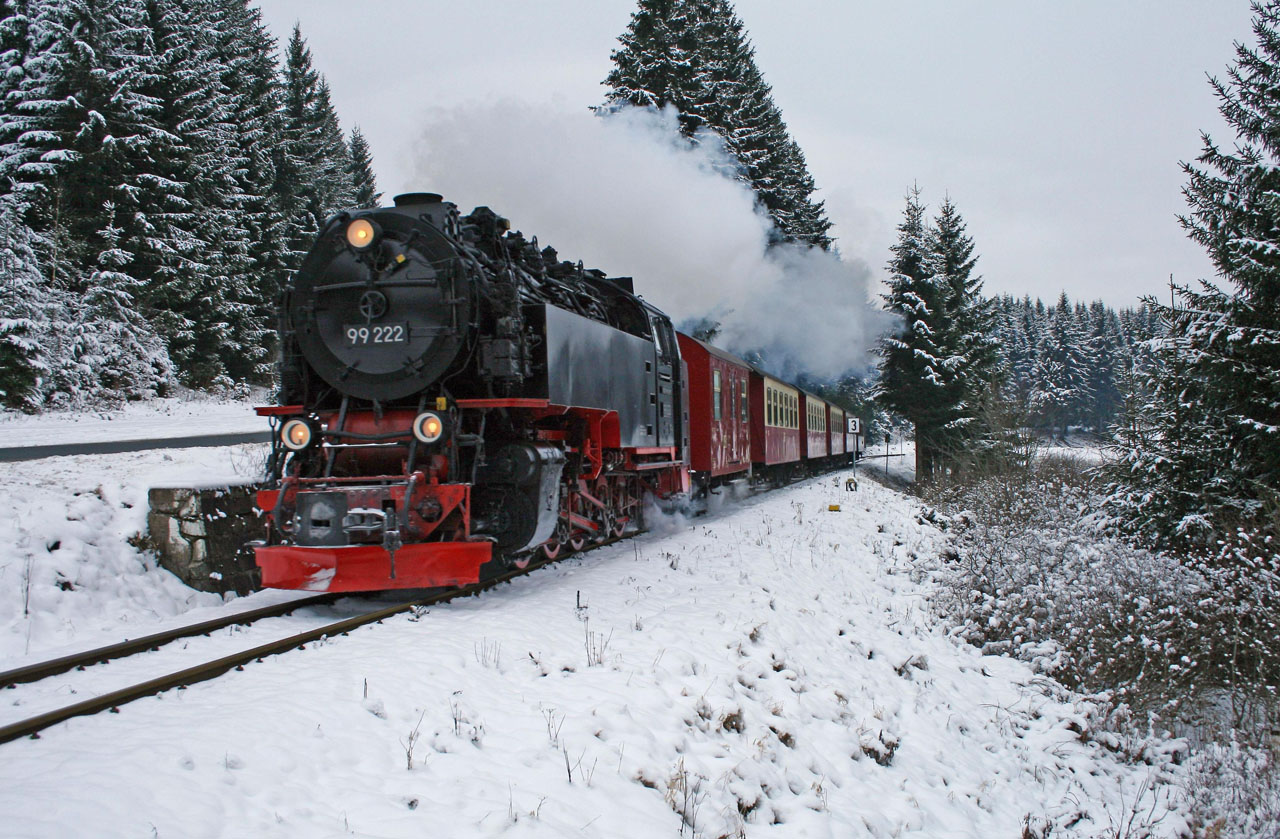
(742, 399)
(715, 394)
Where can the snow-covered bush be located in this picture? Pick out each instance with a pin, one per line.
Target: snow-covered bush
(1030, 578)
(1233, 792)
(1033, 574)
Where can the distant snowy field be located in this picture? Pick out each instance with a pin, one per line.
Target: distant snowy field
(770, 669)
(177, 417)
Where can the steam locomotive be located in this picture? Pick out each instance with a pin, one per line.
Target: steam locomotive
(455, 401)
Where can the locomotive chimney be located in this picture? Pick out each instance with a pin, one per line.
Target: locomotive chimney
(410, 199)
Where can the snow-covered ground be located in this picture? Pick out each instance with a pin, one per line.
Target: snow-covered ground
(899, 466)
(69, 576)
(770, 669)
(176, 417)
(1084, 447)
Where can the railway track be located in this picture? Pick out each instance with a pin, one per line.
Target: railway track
(79, 661)
(111, 701)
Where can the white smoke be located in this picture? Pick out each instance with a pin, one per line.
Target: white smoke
(626, 194)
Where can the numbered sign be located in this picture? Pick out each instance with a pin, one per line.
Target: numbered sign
(855, 425)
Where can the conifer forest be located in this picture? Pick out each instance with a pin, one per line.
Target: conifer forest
(1106, 478)
(164, 169)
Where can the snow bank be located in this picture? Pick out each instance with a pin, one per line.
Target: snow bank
(70, 574)
(770, 669)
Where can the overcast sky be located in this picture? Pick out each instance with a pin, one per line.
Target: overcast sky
(1056, 128)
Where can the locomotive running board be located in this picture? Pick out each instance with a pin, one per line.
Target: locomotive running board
(368, 567)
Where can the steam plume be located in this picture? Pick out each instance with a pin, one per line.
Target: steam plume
(628, 195)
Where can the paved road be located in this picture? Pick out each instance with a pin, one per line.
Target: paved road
(114, 446)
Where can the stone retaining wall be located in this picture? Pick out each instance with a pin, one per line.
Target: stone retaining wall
(201, 535)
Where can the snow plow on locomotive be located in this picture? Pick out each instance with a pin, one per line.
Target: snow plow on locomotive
(453, 398)
(455, 401)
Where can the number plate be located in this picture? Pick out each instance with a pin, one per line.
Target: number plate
(362, 335)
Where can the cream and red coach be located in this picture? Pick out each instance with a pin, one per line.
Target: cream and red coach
(775, 426)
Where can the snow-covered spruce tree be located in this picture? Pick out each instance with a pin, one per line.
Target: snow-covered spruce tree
(943, 369)
(1163, 446)
(916, 379)
(1197, 464)
(88, 124)
(362, 177)
(1107, 352)
(128, 358)
(23, 312)
(1060, 385)
(251, 78)
(695, 56)
(313, 163)
(1217, 378)
(88, 142)
(964, 329)
(16, 50)
(194, 257)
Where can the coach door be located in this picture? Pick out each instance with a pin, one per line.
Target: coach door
(667, 382)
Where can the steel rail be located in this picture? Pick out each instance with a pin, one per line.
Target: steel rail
(131, 646)
(112, 701)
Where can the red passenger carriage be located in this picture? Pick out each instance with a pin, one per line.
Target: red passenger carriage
(720, 438)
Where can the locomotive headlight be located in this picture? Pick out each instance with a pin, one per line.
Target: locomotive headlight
(297, 434)
(362, 233)
(428, 427)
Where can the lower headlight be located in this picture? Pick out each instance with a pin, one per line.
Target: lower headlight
(428, 427)
(297, 434)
